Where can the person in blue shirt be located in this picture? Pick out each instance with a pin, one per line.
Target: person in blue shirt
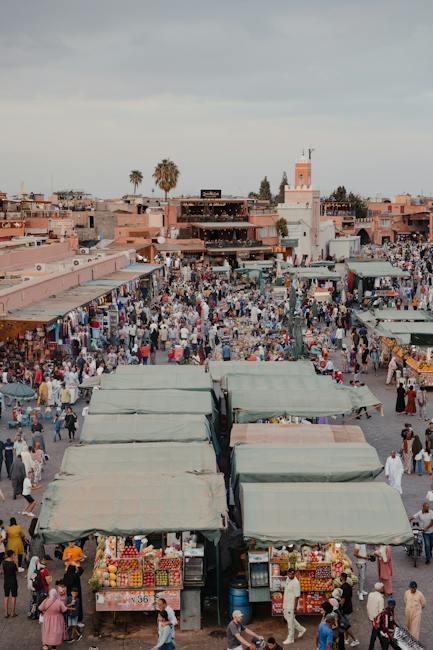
(325, 634)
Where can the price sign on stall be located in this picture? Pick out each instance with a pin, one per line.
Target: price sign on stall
(125, 600)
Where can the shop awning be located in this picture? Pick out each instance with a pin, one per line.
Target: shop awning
(255, 398)
(131, 503)
(48, 310)
(269, 463)
(221, 369)
(151, 401)
(282, 513)
(149, 457)
(313, 273)
(373, 317)
(158, 378)
(259, 264)
(407, 333)
(294, 434)
(221, 269)
(99, 429)
(375, 269)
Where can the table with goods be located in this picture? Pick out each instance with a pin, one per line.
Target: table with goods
(130, 575)
(318, 570)
(418, 359)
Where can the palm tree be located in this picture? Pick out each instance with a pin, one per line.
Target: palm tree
(135, 178)
(166, 174)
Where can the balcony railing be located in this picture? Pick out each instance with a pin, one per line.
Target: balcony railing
(251, 243)
(209, 218)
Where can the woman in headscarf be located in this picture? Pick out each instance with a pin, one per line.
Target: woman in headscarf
(53, 626)
(18, 474)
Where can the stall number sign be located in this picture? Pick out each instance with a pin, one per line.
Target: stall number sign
(125, 600)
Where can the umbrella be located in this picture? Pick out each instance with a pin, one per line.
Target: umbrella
(17, 391)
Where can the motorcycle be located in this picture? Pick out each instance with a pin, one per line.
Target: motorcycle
(415, 549)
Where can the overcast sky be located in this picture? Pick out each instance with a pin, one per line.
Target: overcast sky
(231, 90)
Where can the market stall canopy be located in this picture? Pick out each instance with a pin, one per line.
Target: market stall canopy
(99, 429)
(131, 503)
(17, 390)
(218, 370)
(48, 310)
(256, 398)
(294, 434)
(313, 273)
(149, 457)
(278, 514)
(371, 318)
(259, 264)
(375, 269)
(158, 378)
(151, 401)
(269, 463)
(221, 269)
(91, 382)
(407, 333)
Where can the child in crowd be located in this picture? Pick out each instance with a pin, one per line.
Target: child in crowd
(427, 462)
(73, 607)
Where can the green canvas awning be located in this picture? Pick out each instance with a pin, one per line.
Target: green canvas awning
(220, 369)
(278, 514)
(158, 378)
(149, 457)
(115, 428)
(151, 401)
(313, 273)
(407, 333)
(375, 269)
(221, 269)
(255, 398)
(132, 503)
(269, 463)
(371, 318)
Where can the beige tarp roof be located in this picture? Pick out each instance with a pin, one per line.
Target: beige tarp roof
(132, 503)
(158, 378)
(295, 434)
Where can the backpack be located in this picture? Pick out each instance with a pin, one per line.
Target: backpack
(37, 581)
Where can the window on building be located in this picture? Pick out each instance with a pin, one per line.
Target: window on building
(91, 221)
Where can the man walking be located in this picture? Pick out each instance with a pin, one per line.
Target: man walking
(424, 517)
(292, 591)
(375, 606)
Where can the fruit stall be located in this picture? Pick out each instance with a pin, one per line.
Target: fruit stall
(418, 358)
(130, 575)
(288, 525)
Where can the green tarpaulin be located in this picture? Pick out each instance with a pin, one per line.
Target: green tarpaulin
(158, 378)
(313, 273)
(313, 513)
(381, 316)
(268, 463)
(255, 398)
(149, 457)
(375, 269)
(132, 503)
(151, 401)
(220, 369)
(144, 428)
(407, 333)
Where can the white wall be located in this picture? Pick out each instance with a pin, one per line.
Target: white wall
(326, 233)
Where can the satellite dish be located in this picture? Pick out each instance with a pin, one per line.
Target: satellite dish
(161, 240)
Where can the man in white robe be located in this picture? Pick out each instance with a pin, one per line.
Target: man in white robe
(394, 471)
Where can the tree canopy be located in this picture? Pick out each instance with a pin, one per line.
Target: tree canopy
(265, 193)
(166, 175)
(279, 198)
(356, 200)
(135, 178)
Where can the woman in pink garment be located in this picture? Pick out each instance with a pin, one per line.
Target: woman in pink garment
(53, 627)
(384, 566)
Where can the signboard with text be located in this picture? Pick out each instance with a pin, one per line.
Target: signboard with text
(210, 194)
(134, 600)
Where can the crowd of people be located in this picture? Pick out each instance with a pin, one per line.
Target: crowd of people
(195, 316)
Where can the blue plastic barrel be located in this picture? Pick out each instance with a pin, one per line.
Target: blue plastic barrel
(239, 599)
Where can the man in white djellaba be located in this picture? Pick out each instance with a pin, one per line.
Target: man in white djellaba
(394, 471)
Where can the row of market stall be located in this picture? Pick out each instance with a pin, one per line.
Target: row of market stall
(144, 479)
(300, 491)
